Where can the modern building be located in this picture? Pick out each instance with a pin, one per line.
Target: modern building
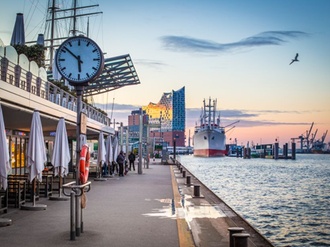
(167, 119)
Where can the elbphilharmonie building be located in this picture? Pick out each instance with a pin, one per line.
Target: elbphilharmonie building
(167, 118)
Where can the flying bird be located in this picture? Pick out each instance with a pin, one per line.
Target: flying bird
(295, 59)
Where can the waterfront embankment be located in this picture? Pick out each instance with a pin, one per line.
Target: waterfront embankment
(208, 216)
(153, 208)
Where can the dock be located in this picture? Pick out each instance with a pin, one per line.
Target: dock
(156, 208)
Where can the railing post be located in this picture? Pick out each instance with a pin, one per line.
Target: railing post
(72, 216)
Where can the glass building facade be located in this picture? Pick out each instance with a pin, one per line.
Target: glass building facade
(167, 118)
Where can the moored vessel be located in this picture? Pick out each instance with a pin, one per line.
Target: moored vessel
(209, 137)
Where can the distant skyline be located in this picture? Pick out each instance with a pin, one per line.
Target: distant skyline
(235, 51)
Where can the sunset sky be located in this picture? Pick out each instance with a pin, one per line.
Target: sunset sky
(235, 51)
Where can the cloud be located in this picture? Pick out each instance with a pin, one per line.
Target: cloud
(150, 63)
(189, 44)
(247, 118)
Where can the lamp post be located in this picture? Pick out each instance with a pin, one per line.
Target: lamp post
(140, 142)
(160, 131)
(174, 145)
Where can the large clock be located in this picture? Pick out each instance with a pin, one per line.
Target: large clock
(79, 60)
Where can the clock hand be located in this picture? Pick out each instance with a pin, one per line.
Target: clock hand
(79, 63)
(65, 48)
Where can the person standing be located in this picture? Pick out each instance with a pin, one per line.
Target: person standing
(120, 160)
(131, 159)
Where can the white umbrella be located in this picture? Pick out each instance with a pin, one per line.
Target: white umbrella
(61, 153)
(36, 156)
(101, 153)
(4, 157)
(115, 146)
(4, 163)
(109, 155)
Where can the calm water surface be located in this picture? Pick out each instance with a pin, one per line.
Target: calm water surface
(288, 201)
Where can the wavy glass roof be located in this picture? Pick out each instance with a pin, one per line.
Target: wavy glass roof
(118, 72)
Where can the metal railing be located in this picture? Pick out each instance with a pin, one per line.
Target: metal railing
(38, 85)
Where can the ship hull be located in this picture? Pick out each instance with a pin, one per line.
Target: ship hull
(209, 143)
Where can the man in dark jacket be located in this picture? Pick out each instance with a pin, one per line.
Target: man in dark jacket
(131, 159)
(120, 160)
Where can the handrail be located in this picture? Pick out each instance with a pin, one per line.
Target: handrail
(15, 75)
(78, 189)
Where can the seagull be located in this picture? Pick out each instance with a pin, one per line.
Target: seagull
(295, 59)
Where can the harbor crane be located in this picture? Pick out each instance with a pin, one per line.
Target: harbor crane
(308, 143)
(304, 140)
(318, 145)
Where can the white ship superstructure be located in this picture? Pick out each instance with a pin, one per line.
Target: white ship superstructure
(209, 137)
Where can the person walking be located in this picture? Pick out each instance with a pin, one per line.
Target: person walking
(120, 160)
(131, 159)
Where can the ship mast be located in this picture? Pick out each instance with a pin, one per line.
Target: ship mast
(209, 115)
(214, 110)
(51, 49)
(57, 15)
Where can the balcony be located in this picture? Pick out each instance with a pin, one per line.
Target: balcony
(24, 87)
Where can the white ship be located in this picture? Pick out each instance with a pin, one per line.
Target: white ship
(209, 137)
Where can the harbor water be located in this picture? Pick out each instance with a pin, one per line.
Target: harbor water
(288, 201)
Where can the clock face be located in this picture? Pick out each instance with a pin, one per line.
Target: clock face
(79, 60)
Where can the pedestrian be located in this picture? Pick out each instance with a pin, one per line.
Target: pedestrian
(131, 159)
(120, 160)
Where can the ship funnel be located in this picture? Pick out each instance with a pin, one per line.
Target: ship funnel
(18, 37)
(41, 39)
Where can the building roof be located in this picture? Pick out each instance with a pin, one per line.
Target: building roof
(118, 72)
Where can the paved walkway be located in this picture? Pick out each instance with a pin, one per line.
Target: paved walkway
(128, 211)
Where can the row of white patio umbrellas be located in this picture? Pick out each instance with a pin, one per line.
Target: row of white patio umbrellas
(36, 153)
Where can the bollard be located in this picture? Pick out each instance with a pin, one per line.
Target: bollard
(241, 239)
(72, 217)
(276, 151)
(233, 230)
(188, 180)
(173, 207)
(293, 151)
(183, 174)
(197, 190)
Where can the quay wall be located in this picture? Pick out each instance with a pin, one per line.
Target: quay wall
(233, 218)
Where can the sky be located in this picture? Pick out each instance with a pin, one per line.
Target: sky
(237, 52)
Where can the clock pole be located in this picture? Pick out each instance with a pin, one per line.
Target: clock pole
(79, 224)
(79, 91)
(79, 60)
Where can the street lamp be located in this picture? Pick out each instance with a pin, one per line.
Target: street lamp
(174, 145)
(160, 131)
